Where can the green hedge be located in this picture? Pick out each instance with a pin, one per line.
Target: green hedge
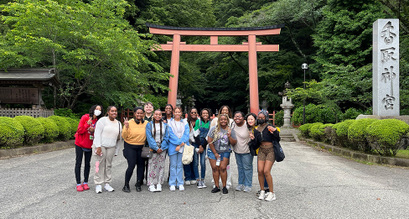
(64, 127)
(385, 136)
(73, 125)
(50, 129)
(11, 133)
(279, 118)
(305, 129)
(34, 130)
(316, 132)
(341, 132)
(357, 134)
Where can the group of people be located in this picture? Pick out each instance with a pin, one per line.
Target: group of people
(213, 139)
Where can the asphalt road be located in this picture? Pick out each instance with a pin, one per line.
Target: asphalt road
(308, 184)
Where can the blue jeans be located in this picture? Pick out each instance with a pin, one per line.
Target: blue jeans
(191, 171)
(176, 170)
(245, 167)
(196, 158)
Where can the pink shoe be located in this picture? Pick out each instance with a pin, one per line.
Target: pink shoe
(79, 188)
(85, 186)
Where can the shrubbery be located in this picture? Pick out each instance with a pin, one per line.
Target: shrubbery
(26, 130)
(34, 130)
(11, 132)
(385, 137)
(357, 134)
(50, 129)
(64, 127)
(279, 118)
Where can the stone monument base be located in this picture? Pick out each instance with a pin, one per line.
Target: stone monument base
(402, 118)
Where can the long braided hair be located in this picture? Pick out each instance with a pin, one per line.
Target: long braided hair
(216, 131)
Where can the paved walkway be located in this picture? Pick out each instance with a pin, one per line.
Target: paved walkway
(308, 184)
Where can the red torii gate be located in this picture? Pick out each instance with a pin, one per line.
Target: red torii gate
(252, 47)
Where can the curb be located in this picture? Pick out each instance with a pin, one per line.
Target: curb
(402, 162)
(9, 153)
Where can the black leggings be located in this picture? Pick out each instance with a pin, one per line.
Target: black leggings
(78, 161)
(132, 153)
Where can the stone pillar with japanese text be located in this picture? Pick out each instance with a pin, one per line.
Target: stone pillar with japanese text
(386, 67)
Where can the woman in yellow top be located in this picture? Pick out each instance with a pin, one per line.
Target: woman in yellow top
(134, 135)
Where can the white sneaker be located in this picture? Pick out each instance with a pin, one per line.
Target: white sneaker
(152, 188)
(203, 184)
(187, 182)
(262, 195)
(172, 188)
(199, 184)
(181, 188)
(158, 188)
(247, 189)
(193, 182)
(108, 188)
(98, 189)
(270, 196)
(239, 187)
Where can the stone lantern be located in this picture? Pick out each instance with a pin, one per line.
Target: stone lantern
(287, 105)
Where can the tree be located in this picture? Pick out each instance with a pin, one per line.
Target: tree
(94, 50)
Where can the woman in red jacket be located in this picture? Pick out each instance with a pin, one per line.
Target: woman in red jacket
(83, 142)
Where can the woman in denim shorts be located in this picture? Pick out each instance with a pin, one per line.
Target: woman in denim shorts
(221, 139)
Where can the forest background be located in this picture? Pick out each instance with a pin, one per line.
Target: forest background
(101, 52)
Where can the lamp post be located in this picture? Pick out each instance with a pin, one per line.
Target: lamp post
(304, 67)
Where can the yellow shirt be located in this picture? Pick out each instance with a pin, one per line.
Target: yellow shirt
(136, 133)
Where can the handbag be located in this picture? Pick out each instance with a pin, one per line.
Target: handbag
(278, 151)
(187, 156)
(146, 152)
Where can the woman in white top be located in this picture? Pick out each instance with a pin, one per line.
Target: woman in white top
(244, 159)
(107, 138)
(178, 137)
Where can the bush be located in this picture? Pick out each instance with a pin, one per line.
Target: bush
(327, 130)
(34, 131)
(341, 132)
(64, 127)
(73, 125)
(305, 129)
(316, 132)
(350, 113)
(385, 136)
(357, 134)
(50, 129)
(279, 118)
(64, 112)
(11, 132)
(315, 113)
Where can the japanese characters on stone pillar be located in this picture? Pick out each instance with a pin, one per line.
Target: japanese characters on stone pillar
(386, 67)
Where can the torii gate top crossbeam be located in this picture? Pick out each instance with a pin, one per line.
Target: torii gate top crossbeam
(192, 31)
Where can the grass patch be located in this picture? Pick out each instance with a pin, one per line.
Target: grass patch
(403, 154)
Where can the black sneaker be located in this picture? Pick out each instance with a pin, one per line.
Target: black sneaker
(138, 186)
(126, 189)
(225, 191)
(215, 189)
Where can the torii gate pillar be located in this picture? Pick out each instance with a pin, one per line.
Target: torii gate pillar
(252, 47)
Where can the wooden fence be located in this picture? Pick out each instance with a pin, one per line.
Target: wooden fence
(13, 112)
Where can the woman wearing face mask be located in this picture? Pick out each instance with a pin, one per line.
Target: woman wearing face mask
(265, 157)
(107, 138)
(84, 137)
(134, 135)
